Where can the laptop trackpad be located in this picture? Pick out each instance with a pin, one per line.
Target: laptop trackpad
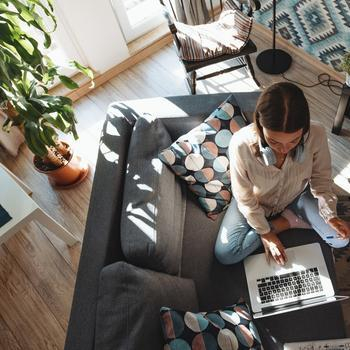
(291, 261)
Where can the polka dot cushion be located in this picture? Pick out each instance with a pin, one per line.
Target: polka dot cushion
(228, 329)
(200, 157)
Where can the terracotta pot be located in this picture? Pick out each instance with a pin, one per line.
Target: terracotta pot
(71, 174)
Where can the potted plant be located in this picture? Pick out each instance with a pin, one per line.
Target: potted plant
(346, 67)
(26, 74)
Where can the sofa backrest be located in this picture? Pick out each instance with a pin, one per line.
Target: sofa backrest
(153, 203)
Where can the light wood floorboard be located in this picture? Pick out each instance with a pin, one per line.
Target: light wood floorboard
(37, 270)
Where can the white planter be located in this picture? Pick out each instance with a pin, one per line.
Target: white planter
(347, 79)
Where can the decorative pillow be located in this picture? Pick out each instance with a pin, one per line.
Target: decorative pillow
(229, 329)
(228, 35)
(200, 157)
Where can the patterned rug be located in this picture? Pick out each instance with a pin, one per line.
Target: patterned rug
(320, 27)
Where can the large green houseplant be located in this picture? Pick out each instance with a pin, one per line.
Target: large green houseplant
(26, 74)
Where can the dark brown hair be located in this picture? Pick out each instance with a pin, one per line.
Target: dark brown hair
(282, 107)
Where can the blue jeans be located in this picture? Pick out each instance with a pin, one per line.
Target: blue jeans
(236, 239)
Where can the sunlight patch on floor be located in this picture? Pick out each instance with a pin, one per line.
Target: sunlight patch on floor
(343, 179)
(238, 80)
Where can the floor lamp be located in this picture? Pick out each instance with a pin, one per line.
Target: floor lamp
(274, 61)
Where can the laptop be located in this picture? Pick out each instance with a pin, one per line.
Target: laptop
(331, 344)
(302, 282)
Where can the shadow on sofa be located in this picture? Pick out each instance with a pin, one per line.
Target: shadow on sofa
(148, 244)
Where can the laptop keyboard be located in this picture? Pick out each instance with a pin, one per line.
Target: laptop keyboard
(289, 285)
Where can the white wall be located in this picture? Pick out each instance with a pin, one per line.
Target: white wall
(95, 32)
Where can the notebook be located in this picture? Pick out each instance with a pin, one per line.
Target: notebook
(4, 216)
(302, 282)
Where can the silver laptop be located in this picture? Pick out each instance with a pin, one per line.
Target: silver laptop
(302, 282)
(331, 344)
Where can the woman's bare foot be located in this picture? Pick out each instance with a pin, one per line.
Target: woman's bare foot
(286, 220)
(294, 220)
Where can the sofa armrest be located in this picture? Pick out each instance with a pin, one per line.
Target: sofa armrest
(101, 244)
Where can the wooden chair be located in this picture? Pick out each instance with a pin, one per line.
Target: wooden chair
(191, 67)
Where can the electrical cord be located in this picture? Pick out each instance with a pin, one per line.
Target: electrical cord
(324, 79)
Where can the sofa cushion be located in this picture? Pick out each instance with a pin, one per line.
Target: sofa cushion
(128, 306)
(200, 157)
(229, 328)
(153, 202)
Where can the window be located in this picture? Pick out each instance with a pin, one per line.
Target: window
(63, 48)
(137, 17)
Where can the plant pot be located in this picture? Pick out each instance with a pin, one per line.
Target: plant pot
(347, 79)
(69, 175)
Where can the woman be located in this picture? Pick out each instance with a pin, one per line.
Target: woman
(281, 178)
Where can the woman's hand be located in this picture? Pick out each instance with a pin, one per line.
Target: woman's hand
(342, 227)
(274, 247)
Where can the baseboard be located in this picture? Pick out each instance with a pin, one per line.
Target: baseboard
(138, 55)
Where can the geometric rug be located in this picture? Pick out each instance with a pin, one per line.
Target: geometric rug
(320, 27)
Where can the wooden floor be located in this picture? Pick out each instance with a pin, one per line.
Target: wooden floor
(37, 271)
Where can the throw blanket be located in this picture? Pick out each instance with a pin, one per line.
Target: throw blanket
(228, 35)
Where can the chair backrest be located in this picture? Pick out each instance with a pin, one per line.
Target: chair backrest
(174, 10)
(202, 11)
(193, 11)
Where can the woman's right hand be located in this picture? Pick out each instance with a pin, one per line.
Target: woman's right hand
(274, 247)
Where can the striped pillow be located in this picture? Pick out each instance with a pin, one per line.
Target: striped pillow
(228, 35)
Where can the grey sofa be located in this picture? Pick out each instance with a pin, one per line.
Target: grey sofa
(134, 261)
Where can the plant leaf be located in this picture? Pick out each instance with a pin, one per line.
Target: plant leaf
(33, 140)
(68, 82)
(85, 70)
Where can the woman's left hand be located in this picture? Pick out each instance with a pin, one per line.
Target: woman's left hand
(341, 226)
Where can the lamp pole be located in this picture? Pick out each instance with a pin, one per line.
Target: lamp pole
(273, 61)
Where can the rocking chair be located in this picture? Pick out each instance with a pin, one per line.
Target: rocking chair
(216, 40)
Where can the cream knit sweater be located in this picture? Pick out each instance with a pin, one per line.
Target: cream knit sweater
(262, 191)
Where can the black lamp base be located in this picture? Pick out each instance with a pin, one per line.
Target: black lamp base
(273, 61)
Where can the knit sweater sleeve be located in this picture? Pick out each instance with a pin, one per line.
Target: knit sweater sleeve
(242, 187)
(321, 178)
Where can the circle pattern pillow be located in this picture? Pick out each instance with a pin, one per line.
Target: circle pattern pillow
(200, 157)
(231, 328)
